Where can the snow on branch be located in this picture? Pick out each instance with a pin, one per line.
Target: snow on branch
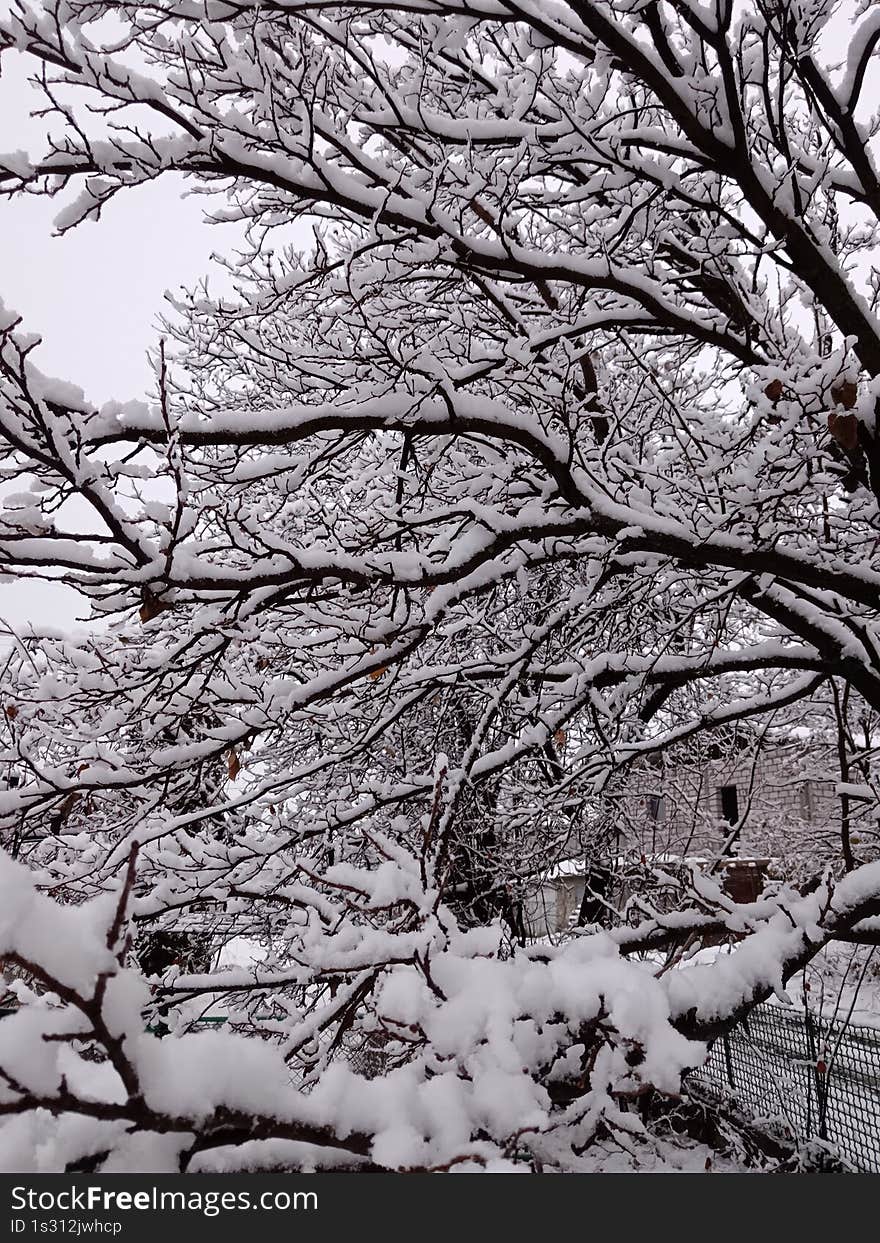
(519, 480)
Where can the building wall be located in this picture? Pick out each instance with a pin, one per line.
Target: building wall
(786, 792)
(555, 906)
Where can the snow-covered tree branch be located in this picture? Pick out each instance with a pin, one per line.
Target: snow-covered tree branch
(530, 431)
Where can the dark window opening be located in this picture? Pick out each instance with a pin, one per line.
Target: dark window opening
(655, 806)
(728, 804)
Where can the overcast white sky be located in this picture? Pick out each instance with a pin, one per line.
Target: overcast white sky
(94, 294)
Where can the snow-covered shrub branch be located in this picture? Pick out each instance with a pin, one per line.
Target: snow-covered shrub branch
(490, 1057)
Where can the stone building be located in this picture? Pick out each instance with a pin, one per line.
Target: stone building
(763, 805)
(764, 801)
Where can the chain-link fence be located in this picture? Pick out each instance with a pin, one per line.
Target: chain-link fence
(812, 1076)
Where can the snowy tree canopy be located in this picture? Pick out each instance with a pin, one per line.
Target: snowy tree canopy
(528, 430)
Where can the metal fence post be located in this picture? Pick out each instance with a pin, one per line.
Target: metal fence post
(782, 1068)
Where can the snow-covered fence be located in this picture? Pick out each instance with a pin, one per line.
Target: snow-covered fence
(809, 1076)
